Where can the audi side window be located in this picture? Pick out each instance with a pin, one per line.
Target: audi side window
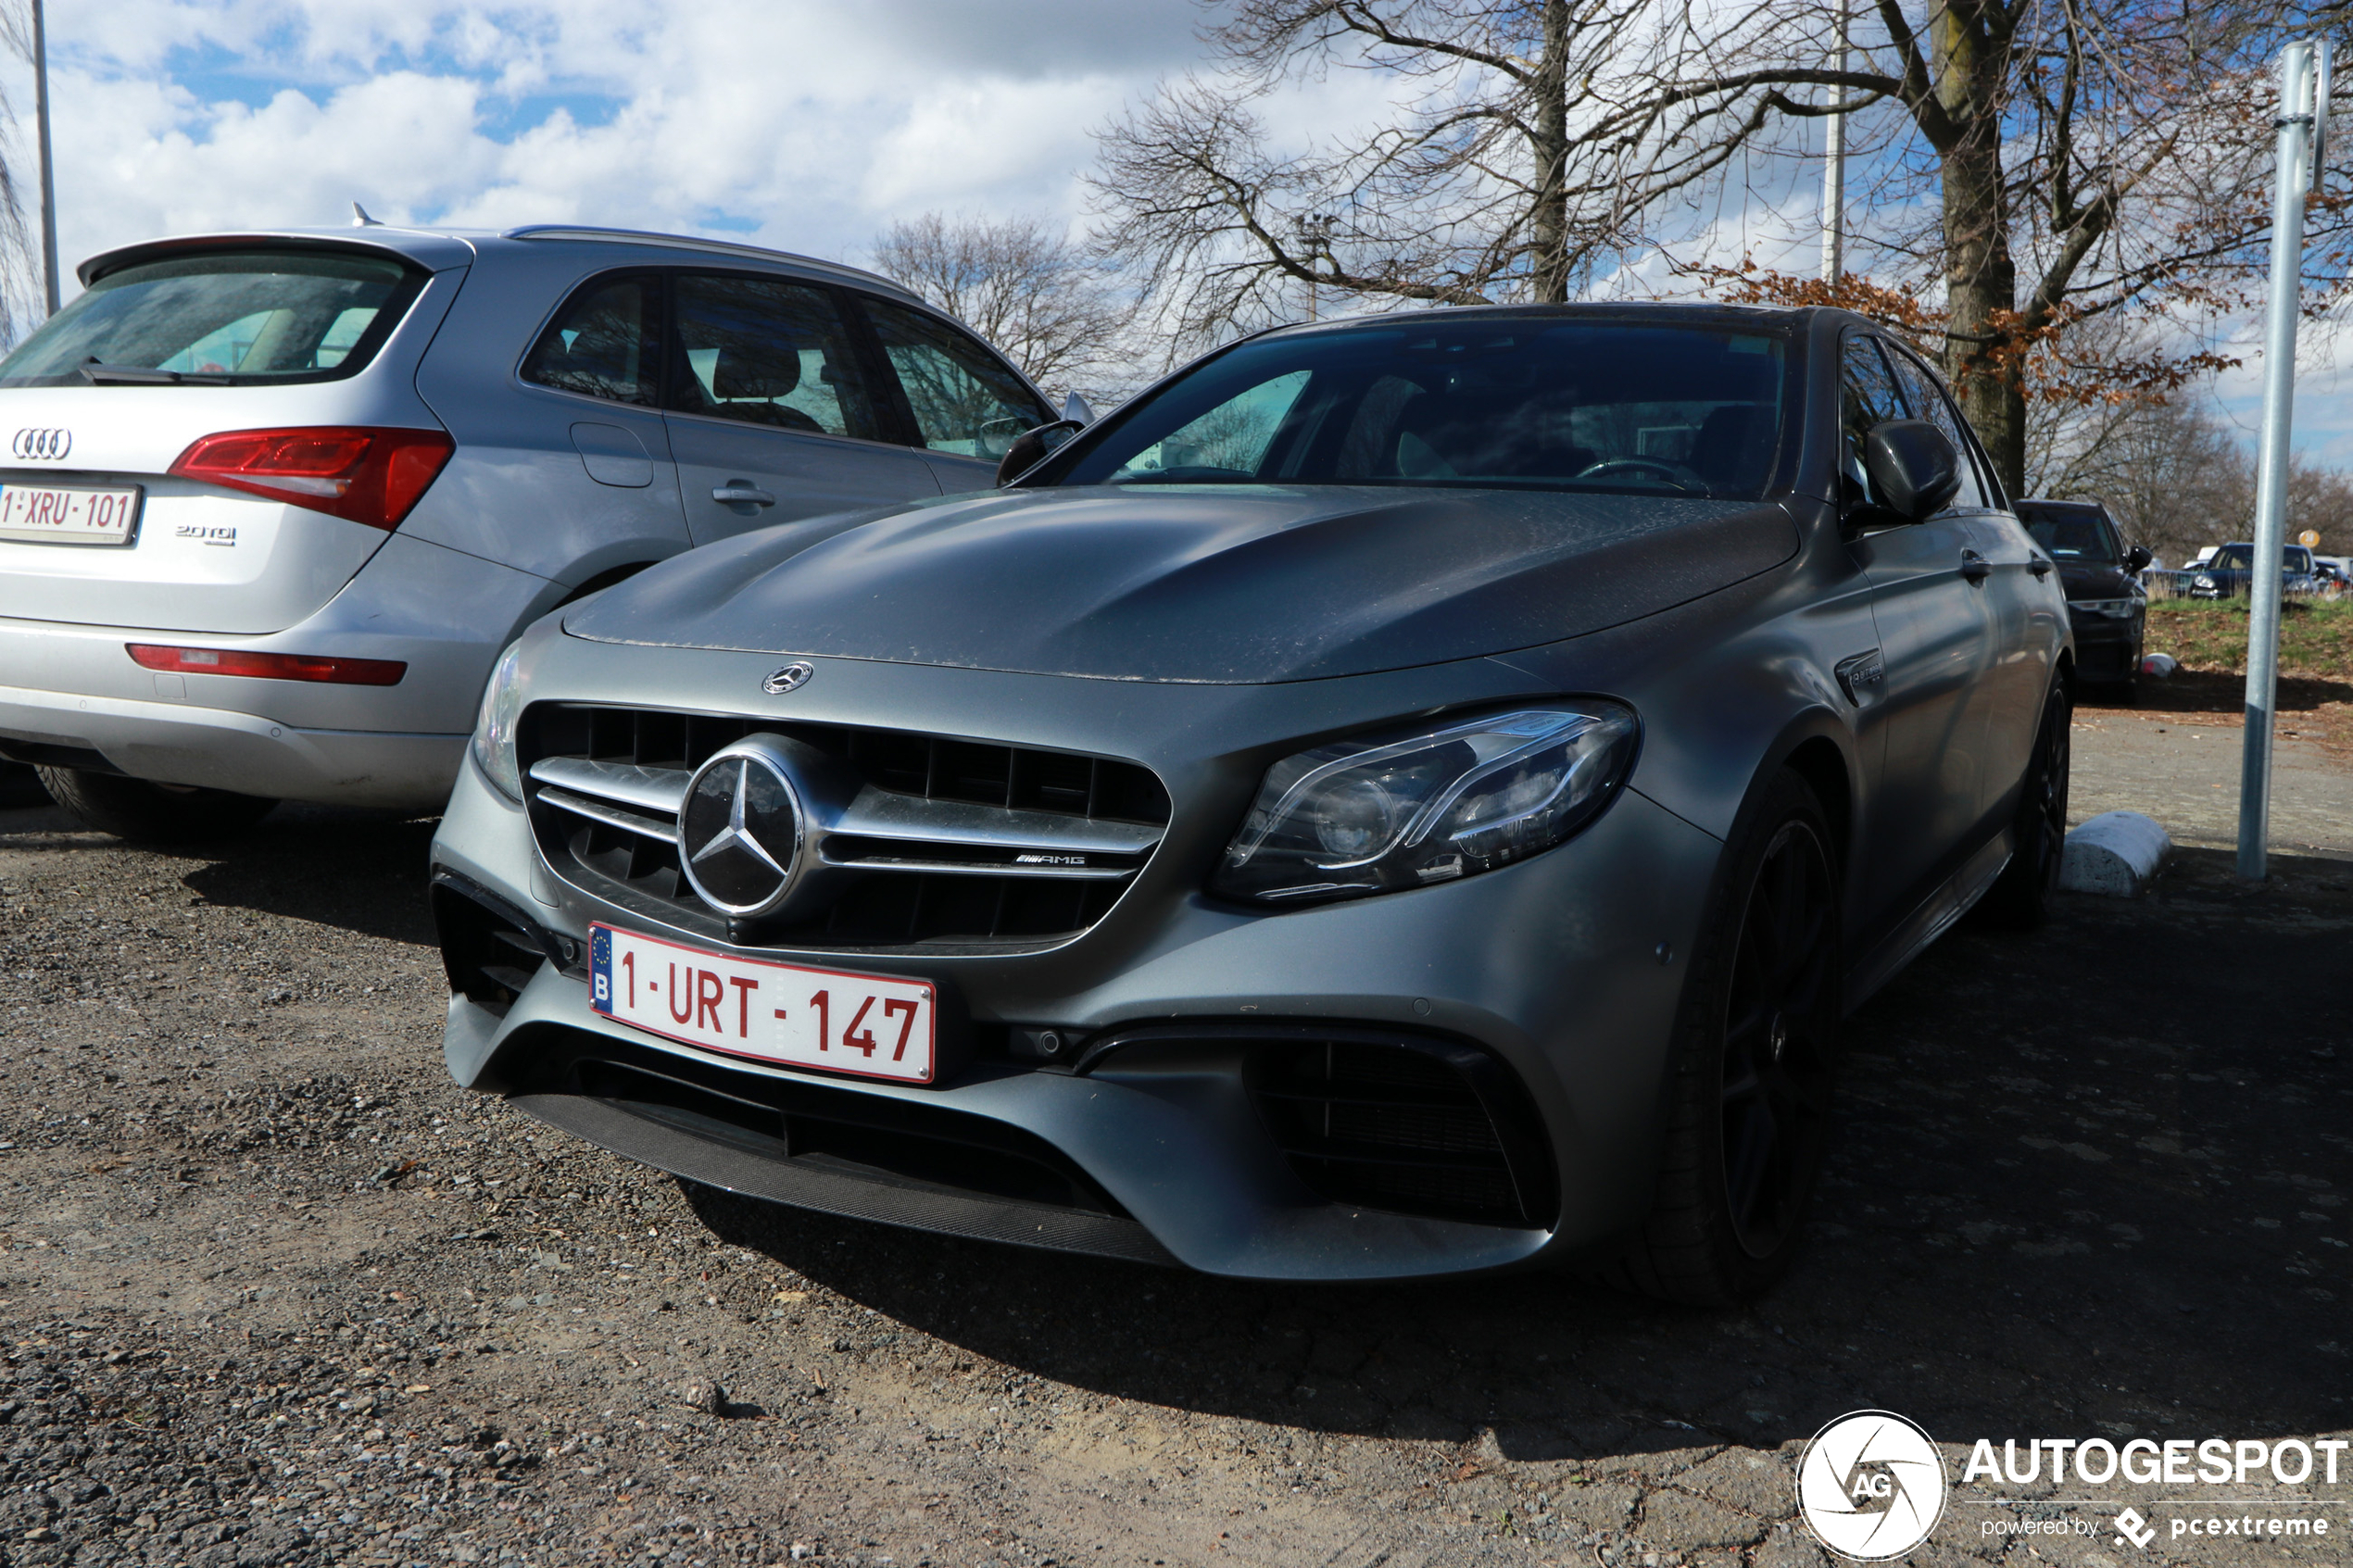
(1929, 402)
(770, 352)
(966, 400)
(604, 342)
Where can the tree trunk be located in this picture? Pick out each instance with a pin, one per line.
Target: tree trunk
(1548, 149)
(1980, 279)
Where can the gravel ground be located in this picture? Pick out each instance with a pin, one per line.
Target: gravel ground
(274, 1292)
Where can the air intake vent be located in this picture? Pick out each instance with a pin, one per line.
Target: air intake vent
(1416, 1127)
(489, 949)
(948, 843)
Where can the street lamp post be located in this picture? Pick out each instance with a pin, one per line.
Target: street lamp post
(1834, 167)
(2303, 124)
(48, 179)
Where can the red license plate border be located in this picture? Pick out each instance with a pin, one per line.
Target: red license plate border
(939, 1036)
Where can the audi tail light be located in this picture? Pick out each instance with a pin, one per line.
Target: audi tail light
(369, 475)
(333, 671)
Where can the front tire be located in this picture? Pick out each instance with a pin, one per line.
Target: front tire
(152, 813)
(1756, 1055)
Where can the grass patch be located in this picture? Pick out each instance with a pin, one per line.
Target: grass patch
(2315, 639)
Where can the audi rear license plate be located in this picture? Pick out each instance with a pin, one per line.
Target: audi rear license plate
(55, 514)
(872, 1025)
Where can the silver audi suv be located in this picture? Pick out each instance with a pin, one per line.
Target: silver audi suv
(273, 502)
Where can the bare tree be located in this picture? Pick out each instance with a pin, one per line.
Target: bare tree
(1463, 198)
(1047, 304)
(23, 305)
(2031, 163)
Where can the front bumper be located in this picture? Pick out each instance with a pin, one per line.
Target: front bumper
(2107, 648)
(1552, 967)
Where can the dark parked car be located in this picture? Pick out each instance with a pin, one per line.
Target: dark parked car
(2228, 573)
(1400, 797)
(2104, 599)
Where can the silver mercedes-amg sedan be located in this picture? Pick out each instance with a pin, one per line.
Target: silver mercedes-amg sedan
(1401, 797)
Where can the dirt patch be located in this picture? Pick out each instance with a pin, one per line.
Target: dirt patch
(274, 1292)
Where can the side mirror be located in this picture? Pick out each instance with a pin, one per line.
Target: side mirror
(1913, 467)
(1031, 447)
(1078, 409)
(2137, 558)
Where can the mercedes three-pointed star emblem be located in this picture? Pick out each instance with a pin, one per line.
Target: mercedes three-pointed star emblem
(739, 831)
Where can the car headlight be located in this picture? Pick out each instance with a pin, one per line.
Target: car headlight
(493, 743)
(2201, 581)
(2115, 609)
(1408, 809)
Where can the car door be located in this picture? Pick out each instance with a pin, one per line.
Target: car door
(574, 475)
(2014, 578)
(1936, 643)
(965, 403)
(773, 417)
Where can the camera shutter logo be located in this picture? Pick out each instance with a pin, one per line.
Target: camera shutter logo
(37, 444)
(791, 678)
(1870, 1486)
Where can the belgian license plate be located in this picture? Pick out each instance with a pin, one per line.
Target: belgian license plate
(52, 514)
(872, 1025)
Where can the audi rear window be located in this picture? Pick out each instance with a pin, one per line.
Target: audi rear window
(223, 317)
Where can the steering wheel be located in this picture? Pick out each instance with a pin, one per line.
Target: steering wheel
(1675, 475)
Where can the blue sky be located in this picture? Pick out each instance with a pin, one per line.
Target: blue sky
(807, 126)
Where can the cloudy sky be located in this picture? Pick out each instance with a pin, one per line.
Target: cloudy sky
(807, 126)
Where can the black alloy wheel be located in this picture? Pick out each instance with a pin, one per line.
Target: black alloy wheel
(1756, 1058)
(1779, 1040)
(2020, 898)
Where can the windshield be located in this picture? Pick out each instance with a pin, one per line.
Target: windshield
(2240, 557)
(224, 316)
(2077, 533)
(1535, 402)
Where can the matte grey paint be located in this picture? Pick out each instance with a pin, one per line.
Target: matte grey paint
(1242, 583)
(1727, 649)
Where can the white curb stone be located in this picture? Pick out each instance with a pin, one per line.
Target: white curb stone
(2116, 853)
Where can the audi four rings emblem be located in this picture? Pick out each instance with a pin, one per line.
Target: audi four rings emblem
(49, 446)
(791, 678)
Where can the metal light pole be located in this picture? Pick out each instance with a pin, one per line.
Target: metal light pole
(1835, 169)
(2303, 123)
(48, 179)
(1315, 237)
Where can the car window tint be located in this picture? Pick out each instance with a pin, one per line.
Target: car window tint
(770, 352)
(1602, 405)
(966, 400)
(1928, 401)
(601, 343)
(2233, 557)
(239, 316)
(1230, 439)
(2071, 533)
(1866, 397)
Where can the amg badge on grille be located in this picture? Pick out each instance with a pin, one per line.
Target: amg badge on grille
(792, 677)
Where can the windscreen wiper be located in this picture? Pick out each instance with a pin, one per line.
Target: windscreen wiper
(97, 374)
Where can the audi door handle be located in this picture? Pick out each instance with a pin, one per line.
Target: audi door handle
(2038, 566)
(1974, 566)
(740, 492)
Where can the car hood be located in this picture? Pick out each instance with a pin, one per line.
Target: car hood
(1240, 584)
(2091, 580)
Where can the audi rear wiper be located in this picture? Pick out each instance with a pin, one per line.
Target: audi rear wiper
(97, 374)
